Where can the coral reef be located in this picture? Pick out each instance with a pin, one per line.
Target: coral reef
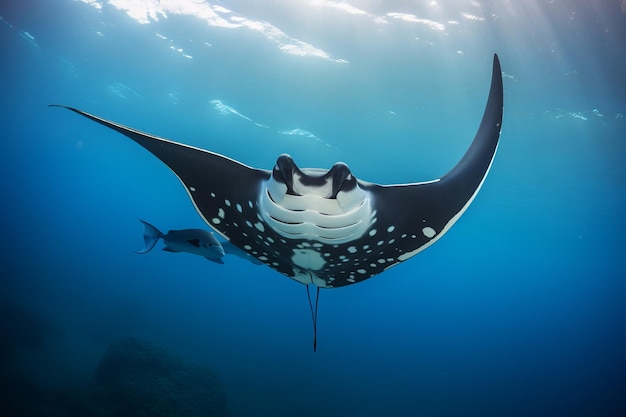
(143, 380)
(133, 379)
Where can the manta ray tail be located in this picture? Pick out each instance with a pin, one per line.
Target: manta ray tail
(314, 313)
(151, 236)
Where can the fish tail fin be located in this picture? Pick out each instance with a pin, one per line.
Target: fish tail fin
(151, 236)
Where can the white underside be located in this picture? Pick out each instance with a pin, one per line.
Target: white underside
(313, 217)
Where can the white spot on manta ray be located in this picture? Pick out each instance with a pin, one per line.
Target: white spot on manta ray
(308, 259)
(429, 232)
(220, 213)
(259, 226)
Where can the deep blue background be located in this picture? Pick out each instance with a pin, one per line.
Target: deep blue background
(519, 310)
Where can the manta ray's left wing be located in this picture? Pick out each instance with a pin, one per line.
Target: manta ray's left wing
(204, 174)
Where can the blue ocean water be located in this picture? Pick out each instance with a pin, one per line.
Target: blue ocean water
(520, 310)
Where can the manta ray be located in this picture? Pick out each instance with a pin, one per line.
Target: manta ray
(325, 227)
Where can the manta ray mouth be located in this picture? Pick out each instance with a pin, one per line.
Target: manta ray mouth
(328, 207)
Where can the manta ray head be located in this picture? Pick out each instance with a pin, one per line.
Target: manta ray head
(313, 181)
(324, 206)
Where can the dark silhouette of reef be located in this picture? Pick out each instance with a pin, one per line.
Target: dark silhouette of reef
(139, 379)
(133, 378)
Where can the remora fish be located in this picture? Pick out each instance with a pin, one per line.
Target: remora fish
(194, 241)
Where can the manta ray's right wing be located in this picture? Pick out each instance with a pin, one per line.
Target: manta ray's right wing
(423, 212)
